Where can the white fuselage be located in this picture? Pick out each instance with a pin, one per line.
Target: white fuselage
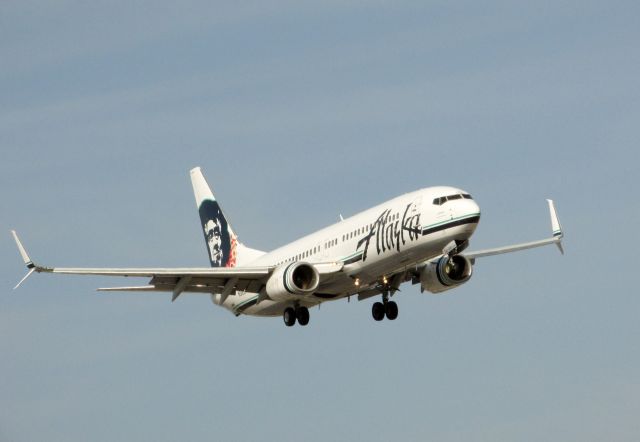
(420, 237)
(396, 235)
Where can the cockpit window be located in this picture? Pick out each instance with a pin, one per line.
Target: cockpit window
(443, 199)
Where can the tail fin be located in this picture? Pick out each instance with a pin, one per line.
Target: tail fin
(221, 242)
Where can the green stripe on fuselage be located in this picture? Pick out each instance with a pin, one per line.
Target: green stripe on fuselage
(471, 215)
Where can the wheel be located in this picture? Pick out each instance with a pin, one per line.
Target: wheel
(302, 315)
(377, 311)
(391, 310)
(289, 316)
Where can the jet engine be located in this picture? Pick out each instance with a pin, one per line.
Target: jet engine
(445, 273)
(292, 281)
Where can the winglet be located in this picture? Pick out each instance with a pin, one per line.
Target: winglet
(558, 234)
(23, 252)
(25, 257)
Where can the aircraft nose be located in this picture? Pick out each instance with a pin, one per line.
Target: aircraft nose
(475, 208)
(468, 207)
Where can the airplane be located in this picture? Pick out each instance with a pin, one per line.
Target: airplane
(420, 237)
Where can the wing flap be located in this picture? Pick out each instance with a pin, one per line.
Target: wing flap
(143, 288)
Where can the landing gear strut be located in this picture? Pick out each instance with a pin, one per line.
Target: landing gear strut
(290, 315)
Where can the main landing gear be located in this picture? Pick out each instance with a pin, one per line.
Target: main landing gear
(290, 315)
(385, 308)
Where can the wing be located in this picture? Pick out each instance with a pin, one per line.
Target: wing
(222, 280)
(556, 239)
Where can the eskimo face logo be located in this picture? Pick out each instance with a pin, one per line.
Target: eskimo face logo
(216, 234)
(212, 231)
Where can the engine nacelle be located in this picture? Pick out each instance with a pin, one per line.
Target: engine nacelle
(292, 281)
(445, 273)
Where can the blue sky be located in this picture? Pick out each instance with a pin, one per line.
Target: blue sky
(298, 112)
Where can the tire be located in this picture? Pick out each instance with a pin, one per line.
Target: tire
(391, 310)
(289, 316)
(302, 315)
(377, 311)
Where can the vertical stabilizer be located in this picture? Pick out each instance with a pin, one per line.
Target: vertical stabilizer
(221, 242)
